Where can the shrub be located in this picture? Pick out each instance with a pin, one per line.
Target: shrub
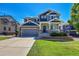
(4, 33)
(58, 34)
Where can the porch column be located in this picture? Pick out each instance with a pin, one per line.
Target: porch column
(49, 26)
(40, 28)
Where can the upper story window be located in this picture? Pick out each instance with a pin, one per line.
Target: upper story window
(42, 16)
(57, 17)
(45, 17)
(4, 21)
(52, 17)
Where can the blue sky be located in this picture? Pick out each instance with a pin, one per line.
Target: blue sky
(21, 10)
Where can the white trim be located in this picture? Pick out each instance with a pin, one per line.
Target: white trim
(28, 28)
(35, 23)
(40, 26)
(49, 25)
(32, 22)
(45, 22)
(54, 19)
(53, 16)
(41, 23)
(50, 20)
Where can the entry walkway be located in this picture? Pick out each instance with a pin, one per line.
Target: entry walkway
(16, 46)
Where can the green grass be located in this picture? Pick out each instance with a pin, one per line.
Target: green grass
(3, 38)
(53, 48)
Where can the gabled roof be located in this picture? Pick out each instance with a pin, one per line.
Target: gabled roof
(31, 23)
(8, 18)
(34, 19)
(5, 20)
(56, 20)
(49, 12)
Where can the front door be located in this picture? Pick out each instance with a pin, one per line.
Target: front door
(44, 29)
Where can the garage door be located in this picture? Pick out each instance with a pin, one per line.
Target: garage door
(29, 33)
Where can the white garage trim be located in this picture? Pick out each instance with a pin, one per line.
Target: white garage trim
(35, 29)
(32, 22)
(29, 28)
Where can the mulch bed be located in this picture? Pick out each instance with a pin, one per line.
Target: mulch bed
(58, 38)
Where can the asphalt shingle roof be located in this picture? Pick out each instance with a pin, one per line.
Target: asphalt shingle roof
(29, 24)
(56, 20)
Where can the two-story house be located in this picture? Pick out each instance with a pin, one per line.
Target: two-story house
(8, 25)
(46, 22)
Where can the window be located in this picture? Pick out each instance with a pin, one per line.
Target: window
(45, 17)
(52, 17)
(4, 28)
(42, 17)
(56, 17)
(5, 21)
(9, 29)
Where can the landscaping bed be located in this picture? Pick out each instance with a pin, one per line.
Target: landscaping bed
(57, 36)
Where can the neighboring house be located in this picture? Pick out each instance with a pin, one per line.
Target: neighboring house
(46, 22)
(69, 29)
(8, 25)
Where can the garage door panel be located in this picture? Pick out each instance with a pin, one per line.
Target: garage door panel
(29, 32)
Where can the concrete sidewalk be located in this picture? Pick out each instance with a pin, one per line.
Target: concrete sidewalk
(16, 46)
(75, 38)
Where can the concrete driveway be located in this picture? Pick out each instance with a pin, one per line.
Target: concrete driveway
(16, 46)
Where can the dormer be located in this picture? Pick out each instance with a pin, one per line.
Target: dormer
(48, 15)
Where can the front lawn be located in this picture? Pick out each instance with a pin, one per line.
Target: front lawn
(3, 38)
(53, 48)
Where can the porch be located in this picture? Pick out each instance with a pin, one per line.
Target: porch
(47, 27)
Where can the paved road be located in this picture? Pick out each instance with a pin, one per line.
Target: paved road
(16, 46)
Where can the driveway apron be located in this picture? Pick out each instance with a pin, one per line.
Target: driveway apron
(16, 46)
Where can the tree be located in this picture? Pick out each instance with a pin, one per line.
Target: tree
(70, 22)
(76, 25)
(75, 16)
